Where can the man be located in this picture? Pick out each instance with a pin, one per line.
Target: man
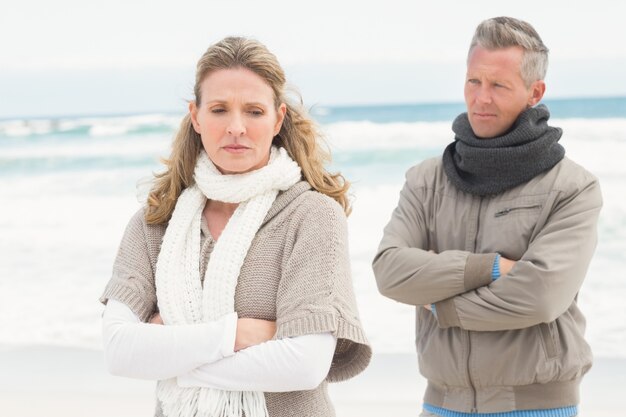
(492, 242)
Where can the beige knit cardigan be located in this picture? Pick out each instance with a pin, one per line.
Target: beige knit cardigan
(296, 272)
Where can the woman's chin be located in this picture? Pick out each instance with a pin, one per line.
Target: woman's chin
(236, 167)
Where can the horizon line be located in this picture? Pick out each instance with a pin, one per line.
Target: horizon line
(309, 107)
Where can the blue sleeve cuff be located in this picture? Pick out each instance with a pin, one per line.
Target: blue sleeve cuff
(495, 270)
(433, 309)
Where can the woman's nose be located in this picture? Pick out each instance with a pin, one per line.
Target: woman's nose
(236, 126)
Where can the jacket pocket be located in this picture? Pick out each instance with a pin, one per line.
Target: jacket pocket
(550, 339)
(507, 226)
(517, 209)
(509, 358)
(442, 353)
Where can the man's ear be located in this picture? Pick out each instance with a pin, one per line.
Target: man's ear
(537, 90)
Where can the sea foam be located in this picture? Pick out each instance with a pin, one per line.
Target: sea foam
(68, 189)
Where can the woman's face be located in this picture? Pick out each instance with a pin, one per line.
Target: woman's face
(236, 119)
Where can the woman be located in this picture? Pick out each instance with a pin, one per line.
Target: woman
(242, 253)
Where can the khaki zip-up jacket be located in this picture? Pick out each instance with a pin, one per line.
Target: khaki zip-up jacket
(494, 346)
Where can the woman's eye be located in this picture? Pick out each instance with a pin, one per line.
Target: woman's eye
(256, 112)
(218, 110)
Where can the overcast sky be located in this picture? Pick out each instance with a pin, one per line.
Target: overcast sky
(70, 57)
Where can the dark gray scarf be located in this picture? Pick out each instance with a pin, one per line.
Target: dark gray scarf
(491, 166)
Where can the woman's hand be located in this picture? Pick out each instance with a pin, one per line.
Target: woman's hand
(156, 319)
(251, 332)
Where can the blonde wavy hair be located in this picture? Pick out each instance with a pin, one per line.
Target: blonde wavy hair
(299, 134)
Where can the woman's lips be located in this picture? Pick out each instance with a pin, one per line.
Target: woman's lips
(235, 148)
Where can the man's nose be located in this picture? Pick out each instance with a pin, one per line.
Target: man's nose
(483, 95)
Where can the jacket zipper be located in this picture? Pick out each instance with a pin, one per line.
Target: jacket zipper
(469, 373)
(506, 211)
(469, 338)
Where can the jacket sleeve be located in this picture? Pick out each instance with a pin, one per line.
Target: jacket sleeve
(404, 268)
(544, 282)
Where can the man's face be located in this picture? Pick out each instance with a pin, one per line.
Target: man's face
(495, 93)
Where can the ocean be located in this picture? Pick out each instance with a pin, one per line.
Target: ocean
(68, 186)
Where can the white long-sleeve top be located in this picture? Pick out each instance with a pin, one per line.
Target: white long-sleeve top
(203, 354)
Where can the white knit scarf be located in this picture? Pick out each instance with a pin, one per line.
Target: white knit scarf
(181, 297)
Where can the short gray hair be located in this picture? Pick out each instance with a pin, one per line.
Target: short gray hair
(504, 32)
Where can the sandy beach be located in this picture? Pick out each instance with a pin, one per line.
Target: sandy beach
(66, 382)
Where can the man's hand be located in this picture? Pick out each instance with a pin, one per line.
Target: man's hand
(506, 265)
(251, 332)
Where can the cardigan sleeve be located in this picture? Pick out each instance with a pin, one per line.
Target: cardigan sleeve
(149, 351)
(291, 364)
(315, 293)
(132, 279)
